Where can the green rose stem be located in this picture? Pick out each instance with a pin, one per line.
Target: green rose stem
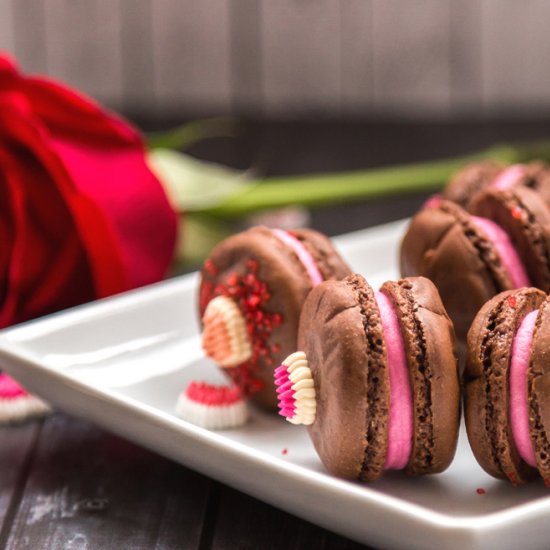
(210, 197)
(319, 189)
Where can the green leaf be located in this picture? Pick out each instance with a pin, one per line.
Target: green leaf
(192, 184)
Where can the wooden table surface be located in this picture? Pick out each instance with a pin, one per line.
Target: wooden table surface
(65, 484)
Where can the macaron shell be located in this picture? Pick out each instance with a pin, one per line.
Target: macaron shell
(486, 386)
(444, 245)
(431, 356)
(470, 180)
(328, 260)
(523, 214)
(539, 391)
(287, 282)
(350, 428)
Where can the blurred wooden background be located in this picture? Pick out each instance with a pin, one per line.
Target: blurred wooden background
(292, 58)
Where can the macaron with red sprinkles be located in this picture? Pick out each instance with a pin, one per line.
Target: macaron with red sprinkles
(252, 289)
(16, 404)
(212, 406)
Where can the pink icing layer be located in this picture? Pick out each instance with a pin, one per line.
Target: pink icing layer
(303, 255)
(215, 396)
(287, 403)
(506, 251)
(400, 426)
(508, 177)
(519, 408)
(9, 388)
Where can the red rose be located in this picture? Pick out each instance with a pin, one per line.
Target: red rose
(81, 214)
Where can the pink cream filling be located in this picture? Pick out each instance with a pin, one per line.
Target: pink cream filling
(303, 255)
(519, 407)
(400, 425)
(506, 251)
(508, 177)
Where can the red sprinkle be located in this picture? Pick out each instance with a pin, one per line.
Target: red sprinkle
(480, 491)
(512, 477)
(251, 295)
(517, 213)
(547, 482)
(208, 394)
(210, 268)
(512, 301)
(284, 451)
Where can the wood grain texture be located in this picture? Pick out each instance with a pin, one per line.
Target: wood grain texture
(301, 56)
(7, 38)
(246, 57)
(30, 35)
(83, 46)
(239, 513)
(356, 56)
(89, 489)
(515, 56)
(16, 453)
(466, 64)
(411, 57)
(136, 42)
(192, 55)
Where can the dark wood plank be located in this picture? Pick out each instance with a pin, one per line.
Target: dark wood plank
(136, 42)
(83, 46)
(411, 57)
(192, 55)
(30, 35)
(466, 65)
(515, 70)
(17, 444)
(245, 523)
(246, 57)
(7, 38)
(301, 57)
(357, 59)
(90, 489)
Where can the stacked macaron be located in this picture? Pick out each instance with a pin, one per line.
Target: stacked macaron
(252, 289)
(489, 174)
(507, 386)
(376, 378)
(501, 244)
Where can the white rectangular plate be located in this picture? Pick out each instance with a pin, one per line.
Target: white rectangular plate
(121, 363)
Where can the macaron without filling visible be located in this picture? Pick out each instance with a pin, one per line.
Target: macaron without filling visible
(472, 257)
(507, 398)
(384, 378)
(253, 285)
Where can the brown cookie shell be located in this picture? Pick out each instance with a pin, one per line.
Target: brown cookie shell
(525, 217)
(342, 336)
(429, 340)
(539, 391)
(486, 383)
(444, 245)
(470, 180)
(287, 282)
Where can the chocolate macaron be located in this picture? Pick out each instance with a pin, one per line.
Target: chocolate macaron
(470, 257)
(375, 379)
(507, 386)
(252, 289)
(489, 174)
